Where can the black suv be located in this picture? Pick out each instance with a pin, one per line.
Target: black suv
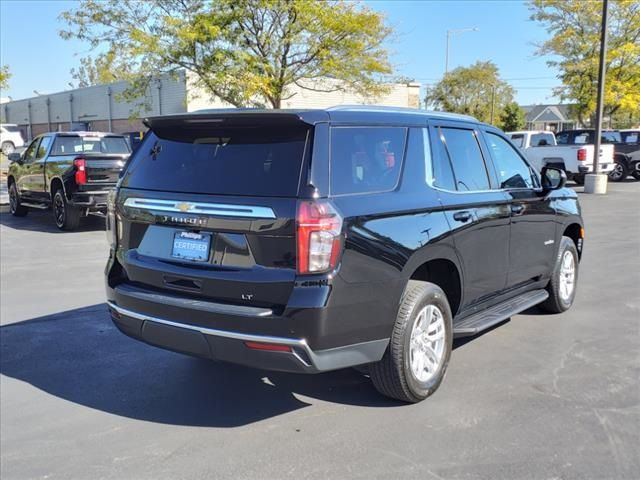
(313, 240)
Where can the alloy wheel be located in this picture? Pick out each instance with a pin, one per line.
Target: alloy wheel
(567, 276)
(427, 343)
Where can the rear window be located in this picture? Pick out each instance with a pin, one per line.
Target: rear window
(255, 161)
(11, 128)
(542, 139)
(366, 159)
(68, 145)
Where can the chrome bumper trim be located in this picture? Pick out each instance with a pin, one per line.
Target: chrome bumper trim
(219, 209)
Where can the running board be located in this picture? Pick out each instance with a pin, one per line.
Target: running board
(39, 206)
(498, 313)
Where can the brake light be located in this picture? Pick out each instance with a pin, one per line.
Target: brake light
(318, 236)
(81, 170)
(582, 154)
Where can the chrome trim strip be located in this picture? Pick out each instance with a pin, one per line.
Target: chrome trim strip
(219, 209)
(294, 342)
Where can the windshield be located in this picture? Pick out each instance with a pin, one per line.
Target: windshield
(68, 145)
(260, 161)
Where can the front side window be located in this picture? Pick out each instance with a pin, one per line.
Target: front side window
(468, 165)
(518, 140)
(512, 171)
(43, 147)
(562, 139)
(366, 159)
(30, 152)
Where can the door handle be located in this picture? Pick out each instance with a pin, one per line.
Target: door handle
(463, 216)
(517, 209)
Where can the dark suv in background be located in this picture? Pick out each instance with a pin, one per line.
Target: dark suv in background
(307, 241)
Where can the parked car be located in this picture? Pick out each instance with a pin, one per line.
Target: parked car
(575, 157)
(628, 154)
(10, 138)
(70, 172)
(314, 240)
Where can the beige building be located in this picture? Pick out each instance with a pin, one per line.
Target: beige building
(101, 108)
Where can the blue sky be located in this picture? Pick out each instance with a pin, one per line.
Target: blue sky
(40, 60)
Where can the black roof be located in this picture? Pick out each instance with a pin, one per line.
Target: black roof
(340, 114)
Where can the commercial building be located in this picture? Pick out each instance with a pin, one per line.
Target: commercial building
(102, 108)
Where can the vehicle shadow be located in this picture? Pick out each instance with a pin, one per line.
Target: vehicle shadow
(42, 221)
(80, 356)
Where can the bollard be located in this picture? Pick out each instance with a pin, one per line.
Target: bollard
(595, 183)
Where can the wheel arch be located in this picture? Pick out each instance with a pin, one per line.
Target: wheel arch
(441, 267)
(55, 185)
(575, 232)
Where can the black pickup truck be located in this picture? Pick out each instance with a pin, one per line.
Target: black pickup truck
(70, 172)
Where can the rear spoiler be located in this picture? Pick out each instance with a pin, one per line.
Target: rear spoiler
(236, 117)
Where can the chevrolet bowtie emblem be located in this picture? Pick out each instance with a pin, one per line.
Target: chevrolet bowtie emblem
(184, 207)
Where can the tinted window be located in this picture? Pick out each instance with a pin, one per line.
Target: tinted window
(44, 145)
(562, 139)
(68, 145)
(542, 139)
(582, 138)
(366, 159)
(30, 152)
(518, 140)
(466, 158)
(233, 161)
(512, 171)
(442, 172)
(11, 128)
(610, 137)
(630, 138)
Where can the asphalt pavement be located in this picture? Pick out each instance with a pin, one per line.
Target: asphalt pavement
(538, 397)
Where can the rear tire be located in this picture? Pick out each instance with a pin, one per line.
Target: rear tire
(8, 147)
(564, 279)
(15, 207)
(420, 346)
(67, 217)
(636, 174)
(619, 172)
(579, 179)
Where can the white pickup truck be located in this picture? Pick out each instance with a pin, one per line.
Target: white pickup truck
(541, 149)
(10, 138)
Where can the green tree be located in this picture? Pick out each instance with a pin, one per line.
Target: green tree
(512, 117)
(104, 68)
(574, 28)
(245, 52)
(476, 90)
(5, 75)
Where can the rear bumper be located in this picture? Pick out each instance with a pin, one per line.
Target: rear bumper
(602, 167)
(231, 346)
(93, 200)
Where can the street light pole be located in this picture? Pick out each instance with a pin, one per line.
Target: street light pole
(449, 33)
(597, 183)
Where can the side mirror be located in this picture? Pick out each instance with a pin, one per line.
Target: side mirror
(14, 157)
(553, 178)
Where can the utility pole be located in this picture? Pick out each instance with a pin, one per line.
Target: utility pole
(597, 183)
(449, 33)
(493, 101)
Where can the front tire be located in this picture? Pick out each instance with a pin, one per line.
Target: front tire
(15, 207)
(619, 172)
(564, 279)
(67, 217)
(8, 147)
(420, 346)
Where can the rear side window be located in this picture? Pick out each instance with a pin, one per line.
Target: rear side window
(254, 161)
(68, 145)
(466, 158)
(366, 159)
(630, 138)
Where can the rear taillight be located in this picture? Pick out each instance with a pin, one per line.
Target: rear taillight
(318, 234)
(81, 170)
(582, 154)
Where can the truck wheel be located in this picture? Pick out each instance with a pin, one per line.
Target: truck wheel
(636, 174)
(564, 279)
(420, 346)
(16, 209)
(619, 172)
(67, 216)
(579, 179)
(8, 147)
